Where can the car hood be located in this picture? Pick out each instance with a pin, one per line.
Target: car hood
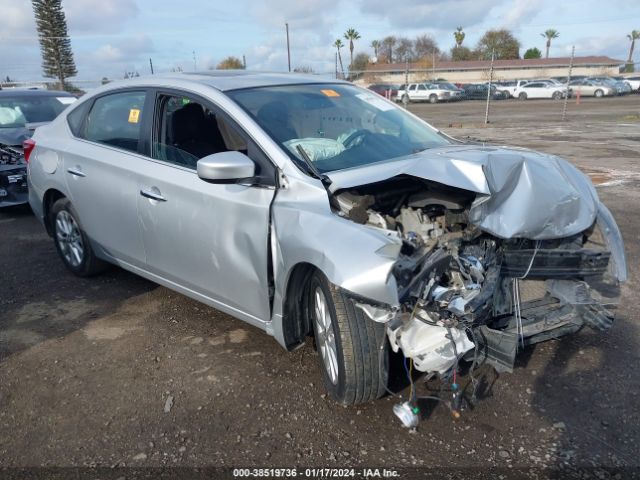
(14, 136)
(520, 193)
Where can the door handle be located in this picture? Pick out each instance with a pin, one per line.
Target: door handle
(153, 195)
(76, 172)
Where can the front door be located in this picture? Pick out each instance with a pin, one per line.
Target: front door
(211, 239)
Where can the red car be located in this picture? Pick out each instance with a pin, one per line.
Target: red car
(387, 90)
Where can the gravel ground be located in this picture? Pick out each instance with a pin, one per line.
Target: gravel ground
(117, 371)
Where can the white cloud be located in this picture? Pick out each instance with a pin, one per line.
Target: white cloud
(519, 12)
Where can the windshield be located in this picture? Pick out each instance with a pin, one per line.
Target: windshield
(335, 126)
(17, 111)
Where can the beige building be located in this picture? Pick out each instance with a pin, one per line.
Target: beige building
(477, 71)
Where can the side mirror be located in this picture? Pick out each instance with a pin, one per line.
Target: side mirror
(225, 167)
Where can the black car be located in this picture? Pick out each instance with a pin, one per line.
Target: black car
(21, 111)
(479, 92)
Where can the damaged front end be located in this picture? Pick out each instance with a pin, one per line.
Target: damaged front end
(466, 291)
(13, 176)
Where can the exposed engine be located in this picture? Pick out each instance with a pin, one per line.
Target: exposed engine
(463, 291)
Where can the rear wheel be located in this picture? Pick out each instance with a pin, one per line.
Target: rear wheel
(405, 98)
(352, 348)
(72, 243)
(598, 93)
(556, 95)
(522, 96)
(433, 99)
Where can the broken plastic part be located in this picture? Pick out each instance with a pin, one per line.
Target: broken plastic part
(430, 346)
(377, 314)
(406, 414)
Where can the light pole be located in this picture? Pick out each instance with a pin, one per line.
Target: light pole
(286, 25)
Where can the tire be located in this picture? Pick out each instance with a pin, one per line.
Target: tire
(361, 369)
(598, 93)
(556, 95)
(433, 98)
(522, 96)
(405, 99)
(72, 242)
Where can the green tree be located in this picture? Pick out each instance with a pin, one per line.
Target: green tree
(375, 44)
(360, 63)
(303, 69)
(459, 54)
(549, 34)
(230, 63)
(459, 36)
(351, 34)
(338, 44)
(633, 36)
(502, 42)
(533, 53)
(55, 45)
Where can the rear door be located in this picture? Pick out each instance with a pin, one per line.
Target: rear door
(208, 238)
(99, 167)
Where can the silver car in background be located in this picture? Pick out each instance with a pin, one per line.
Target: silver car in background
(317, 208)
(591, 88)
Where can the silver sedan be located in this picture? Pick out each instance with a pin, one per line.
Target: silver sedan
(317, 208)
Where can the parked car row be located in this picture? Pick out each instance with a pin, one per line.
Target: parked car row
(553, 88)
(21, 111)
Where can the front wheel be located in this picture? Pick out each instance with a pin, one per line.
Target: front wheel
(353, 349)
(72, 243)
(556, 95)
(599, 94)
(405, 99)
(433, 99)
(522, 96)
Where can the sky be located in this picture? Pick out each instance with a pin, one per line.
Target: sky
(111, 37)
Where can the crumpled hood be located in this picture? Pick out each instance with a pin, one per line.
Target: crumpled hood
(521, 193)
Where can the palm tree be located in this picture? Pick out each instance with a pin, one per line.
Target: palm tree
(459, 36)
(550, 35)
(351, 34)
(635, 35)
(375, 44)
(338, 44)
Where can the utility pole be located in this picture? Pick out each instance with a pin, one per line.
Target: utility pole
(405, 97)
(151, 65)
(486, 113)
(244, 61)
(433, 64)
(195, 67)
(288, 47)
(566, 97)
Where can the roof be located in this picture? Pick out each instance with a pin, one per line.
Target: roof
(597, 61)
(236, 79)
(25, 92)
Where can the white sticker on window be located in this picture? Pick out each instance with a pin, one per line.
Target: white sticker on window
(375, 101)
(66, 100)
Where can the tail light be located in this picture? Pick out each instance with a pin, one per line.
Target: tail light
(27, 146)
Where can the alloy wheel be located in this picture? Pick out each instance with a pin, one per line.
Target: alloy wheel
(69, 238)
(326, 338)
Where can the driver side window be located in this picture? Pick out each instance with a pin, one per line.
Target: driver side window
(187, 131)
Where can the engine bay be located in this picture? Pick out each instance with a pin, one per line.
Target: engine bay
(465, 293)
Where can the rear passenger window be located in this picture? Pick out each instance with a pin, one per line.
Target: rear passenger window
(115, 120)
(76, 117)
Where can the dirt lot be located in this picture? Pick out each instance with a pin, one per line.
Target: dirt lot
(87, 365)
